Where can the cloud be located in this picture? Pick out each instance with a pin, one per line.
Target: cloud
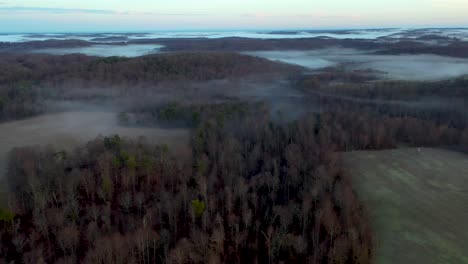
(450, 3)
(313, 15)
(153, 13)
(49, 10)
(21, 9)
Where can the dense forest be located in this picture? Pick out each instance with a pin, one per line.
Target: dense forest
(250, 190)
(253, 192)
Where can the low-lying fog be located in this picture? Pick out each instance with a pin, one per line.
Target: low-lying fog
(385, 33)
(70, 125)
(69, 129)
(132, 50)
(398, 67)
(293, 34)
(75, 122)
(282, 99)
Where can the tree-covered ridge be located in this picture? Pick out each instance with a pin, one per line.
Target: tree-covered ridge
(57, 70)
(27, 81)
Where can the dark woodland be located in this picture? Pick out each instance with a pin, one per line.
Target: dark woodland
(251, 189)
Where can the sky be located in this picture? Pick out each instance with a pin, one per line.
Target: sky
(157, 15)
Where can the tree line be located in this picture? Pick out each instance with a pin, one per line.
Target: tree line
(151, 69)
(187, 114)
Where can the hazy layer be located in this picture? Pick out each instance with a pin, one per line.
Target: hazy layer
(133, 50)
(396, 33)
(400, 67)
(290, 34)
(69, 129)
(308, 59)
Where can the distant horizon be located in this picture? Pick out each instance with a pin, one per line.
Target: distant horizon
(260, 30)
(203, 15)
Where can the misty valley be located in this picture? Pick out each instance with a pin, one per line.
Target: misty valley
(234, 147)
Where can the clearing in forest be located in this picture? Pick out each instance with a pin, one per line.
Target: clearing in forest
(417, 201)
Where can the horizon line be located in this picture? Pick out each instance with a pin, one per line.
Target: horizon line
(259, 30)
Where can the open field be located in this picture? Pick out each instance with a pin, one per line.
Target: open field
(417, 203)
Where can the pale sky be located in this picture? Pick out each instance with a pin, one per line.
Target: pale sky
(154, 15)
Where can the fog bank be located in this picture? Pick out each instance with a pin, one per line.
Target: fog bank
(69, 129)
(395, 67)
(133, 50)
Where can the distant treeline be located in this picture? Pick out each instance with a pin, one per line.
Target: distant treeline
(356, 84)
(57, 70)
(188, 114)
(26, 81)
(453, 48)
(415, 113)
(41, 44)
(402, 46)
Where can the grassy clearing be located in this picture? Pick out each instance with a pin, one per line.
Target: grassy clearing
(417, 201)
(70, 129)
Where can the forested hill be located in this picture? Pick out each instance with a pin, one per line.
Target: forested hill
(148, 69)
(424, 45)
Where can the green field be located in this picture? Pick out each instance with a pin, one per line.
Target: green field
(417, 202)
